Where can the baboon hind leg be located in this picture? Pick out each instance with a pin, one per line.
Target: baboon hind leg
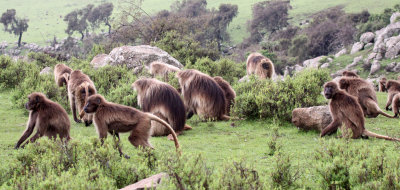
(140, 134)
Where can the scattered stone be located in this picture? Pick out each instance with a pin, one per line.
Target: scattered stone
(367, 37)
(384, 33)
(356, 47)
(356, 60)
(341, 52)
(325, 65)
(395, 17)
(148, 183)
(3, 45)
(397, 68)
(376, 65)
(313, 63)
(312, 118)
(390, 67)
(46, 71)
(392, 47)
(368, 45)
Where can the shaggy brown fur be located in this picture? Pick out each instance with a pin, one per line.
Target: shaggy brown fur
(393, 88)
(259, 65)
(62, 74)
(114, 119)
(365, 93)
(164, 101)
(80, 87)
(345, 109)
(202, 95)
(162, 69)
(230, 94)
(382, 85)
(48, 117)
(350, 74)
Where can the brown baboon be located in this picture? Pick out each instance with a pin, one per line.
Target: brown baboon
(162, 69)
(365, 93)
(80, 87)
(164, 101)
(48, 117)
(350, 74)
(345, 109)
(62, 74)
(396, 104)
(259, 65)
(202, 95)
(393, 88)
(230, 94)
(382, 85)
(114, 119)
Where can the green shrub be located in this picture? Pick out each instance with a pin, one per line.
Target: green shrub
(282, 174)
(270, 99)
(42, 60)
(13, 73)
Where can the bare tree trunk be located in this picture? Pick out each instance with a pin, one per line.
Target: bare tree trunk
(19, 39)
(109, 28)
(83, 35)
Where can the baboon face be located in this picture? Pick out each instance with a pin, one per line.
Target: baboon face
(330, 90)
(92, 104)
(34, 101)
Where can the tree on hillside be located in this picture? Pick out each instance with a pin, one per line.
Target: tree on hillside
(13, 24)
(101, 14)
(77, 21)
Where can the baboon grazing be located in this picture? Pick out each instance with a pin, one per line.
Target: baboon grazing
(164, 101)
(62, 74)
(382, 85)
(48, 117)
(162, 69)
(259, 65)
(202, 95)
(393, 88)
(365, 93)
(230, 94)
(345, 109)
(80, 87)
(350, 74)
(114, 119)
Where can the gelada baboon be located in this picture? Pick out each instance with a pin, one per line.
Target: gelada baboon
(393, 88)
(62, 74)
(259, 65)
(350, 74)
(202, 95)
(80, 87)
(164, 101)
(48, 117)
(365, 93)
(230, 94)
(114, 119)
(345, 109)
(382, 85)
(162, 69)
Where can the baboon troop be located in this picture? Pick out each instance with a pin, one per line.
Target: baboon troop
(382, 85)
(259, 65)
(350, 74)
(62, 74)
(114, 119)
(345, 109)
(158, 68)
(47, 117)
(230, 94)
(202, 95)
(80, 87)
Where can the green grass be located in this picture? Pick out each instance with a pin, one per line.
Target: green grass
(46, 17)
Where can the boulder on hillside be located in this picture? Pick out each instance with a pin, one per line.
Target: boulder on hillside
(384, 33)
(395, 17)
(367, 37)
(313, 63)
(148, 183)
(325, 65)
(392, 47)
(3, 45)
(356, 60)
(341, 52)
(396, 68)
(356, 47)
(368, 45)
(100, 60)
(46, 71)
(376, 65)
(312, 118)
(390, 67)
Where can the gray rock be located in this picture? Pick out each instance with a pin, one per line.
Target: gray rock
(298, 68)
(390, 67)
(379, 56)
(148, 183)
(392, 47)
(313, 63)
(46, 71)
(312, 118)
(356, 47)
(384, 33)
(376, 65)
(341, 52)
(368, 45)
(325, 65)
(3, 45)
(367, 37)
(356, 60)
(244, 79)
(100, 60)
(397, 68)
(394, 17)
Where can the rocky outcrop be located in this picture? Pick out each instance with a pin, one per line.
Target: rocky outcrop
(392, 47)
(100, 60)
(313, 63)
(367, 37)
(148, 183)
(376, 65)
(356, 60)
(46, 71)
(356, 47)
(312, 118)
(341, 52)
(395, 17)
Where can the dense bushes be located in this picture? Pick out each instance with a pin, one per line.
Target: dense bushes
(263, 99)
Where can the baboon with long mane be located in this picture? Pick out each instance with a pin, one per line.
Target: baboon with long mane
(62, 74)
(162, 69)
(365, 93)
(230, 94)
(350, 74)
(164, 101)
(345, 109)
(202, 95)
(47, 117)
(393, 88)
(80, 87)
(259, 65)
(115, 118)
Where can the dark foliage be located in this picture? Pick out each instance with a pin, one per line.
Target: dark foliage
(13, 24)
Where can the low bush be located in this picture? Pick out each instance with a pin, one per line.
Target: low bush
(42, 60)
(13, 73)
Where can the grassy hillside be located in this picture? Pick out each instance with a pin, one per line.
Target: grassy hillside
(46, 17)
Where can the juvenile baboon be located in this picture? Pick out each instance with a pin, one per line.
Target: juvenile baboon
(80, 87)
(62, 74)
(259, 65)
(48, 117)
(230, 94)
(162, 69)
(202, 95)
(365, 93)
(393, 88)
(114, 119)
(345, 109)
(382, 85)
(164, 101)
(350, 74)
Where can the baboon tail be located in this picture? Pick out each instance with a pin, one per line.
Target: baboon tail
(225, 118)
(86, 98)
(385, 114)
(371, 134)
(155, 118)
